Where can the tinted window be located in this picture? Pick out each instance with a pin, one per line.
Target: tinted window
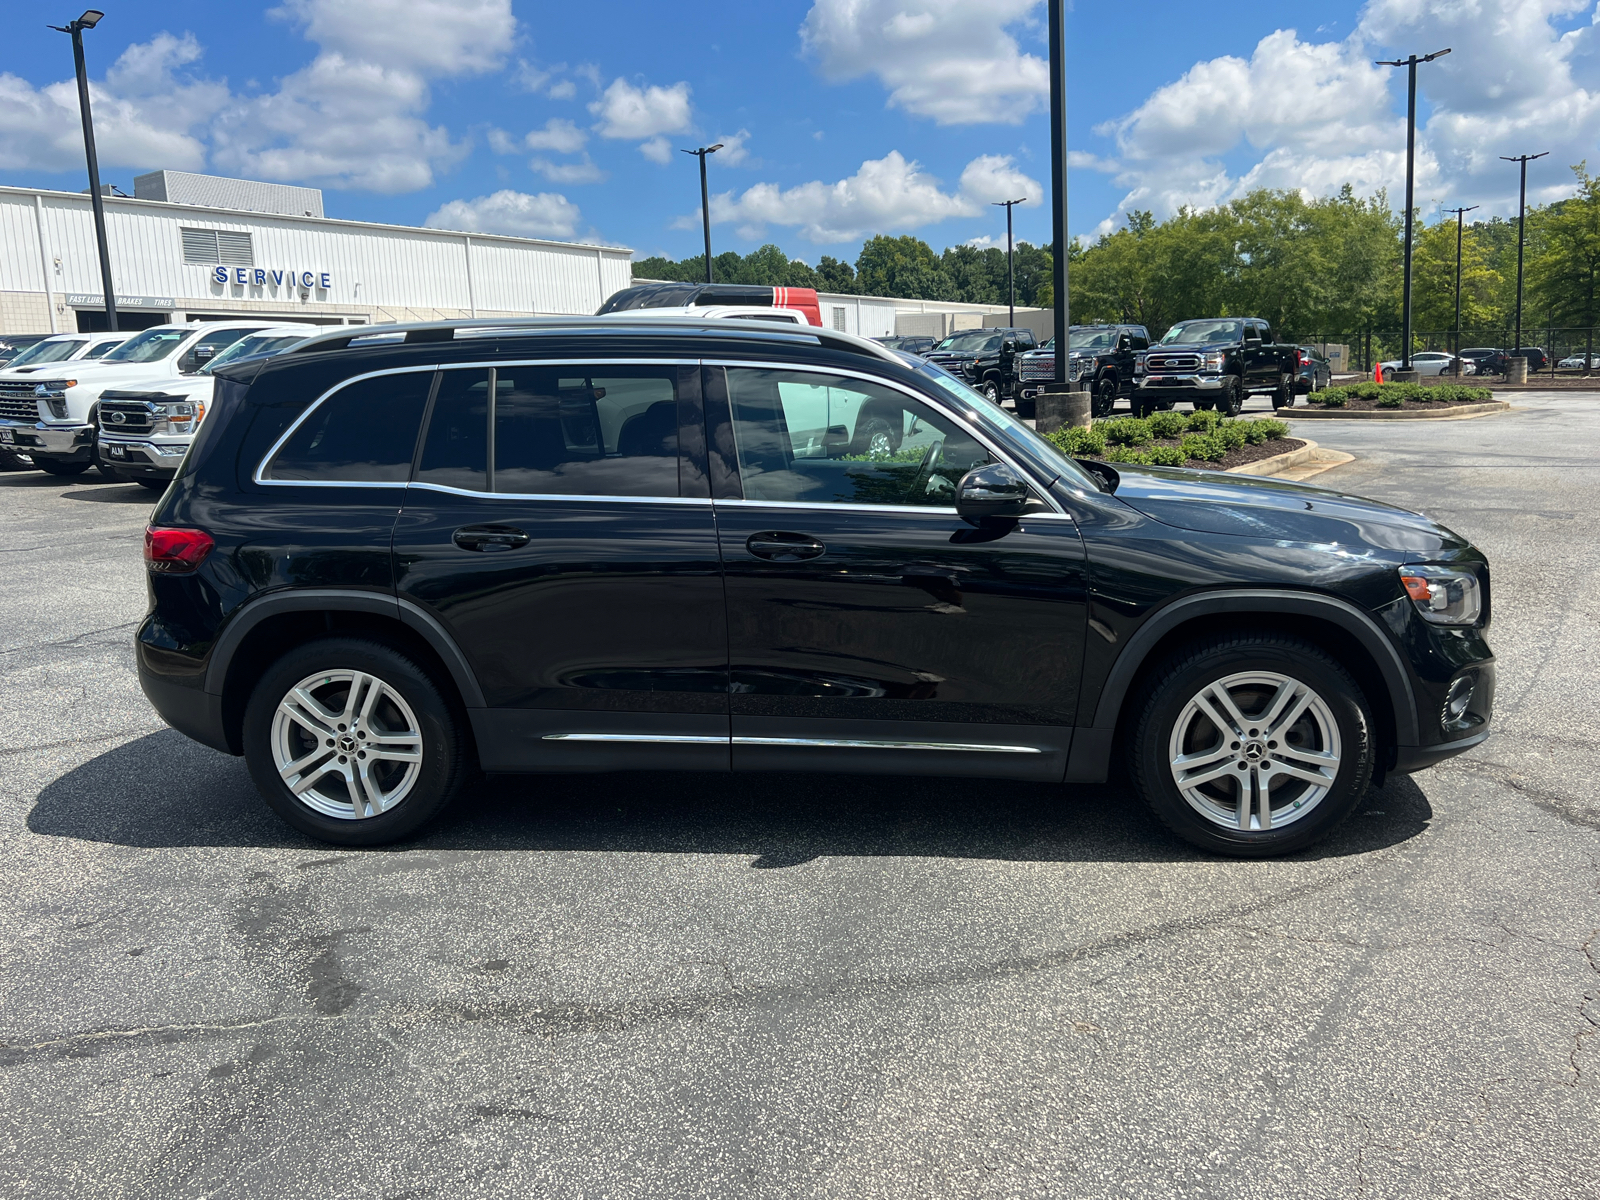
(363, 433)
(832, 440)
(571, 431)
(152, 345)
(101, 348)
(601, 431)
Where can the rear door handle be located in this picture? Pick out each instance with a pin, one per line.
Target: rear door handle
(489, 539)
(782, 546)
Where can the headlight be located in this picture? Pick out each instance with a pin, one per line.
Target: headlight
(1443, 595)
(54, 385)
(185, 417)
(1214, 362)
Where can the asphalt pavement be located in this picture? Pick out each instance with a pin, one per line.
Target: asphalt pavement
(775, 986)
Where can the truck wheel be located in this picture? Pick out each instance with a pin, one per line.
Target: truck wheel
(990, 391)
(1140, 407)
(1105, 397)
(1231, 402)
(1251, 745)
(1283, 394)
(51, 467)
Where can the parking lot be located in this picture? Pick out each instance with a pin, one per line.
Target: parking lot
(773, 986)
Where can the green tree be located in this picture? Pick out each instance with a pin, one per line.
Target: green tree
(836, 276)
(1564, 277)
(1433, 283)
(902, 266)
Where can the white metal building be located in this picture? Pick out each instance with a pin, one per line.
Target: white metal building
(173, 261)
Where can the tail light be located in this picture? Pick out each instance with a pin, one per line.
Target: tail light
(1305, 359)
(175, 551)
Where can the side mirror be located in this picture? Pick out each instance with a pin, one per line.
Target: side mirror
(836, 439)
(1008, 347)
(991, 491)
(1124, 342)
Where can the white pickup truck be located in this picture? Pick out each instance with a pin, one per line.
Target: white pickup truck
(53, 420)
(41, 361)
(145, 432)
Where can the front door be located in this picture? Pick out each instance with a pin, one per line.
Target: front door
(869, 627)
(561, 530)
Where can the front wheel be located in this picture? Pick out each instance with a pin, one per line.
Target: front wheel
(990, 391)
(349, 741)
(1251, 745)
(1231, 402)
(1105, 397)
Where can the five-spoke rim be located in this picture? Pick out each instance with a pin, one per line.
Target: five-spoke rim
(346, 744)
(1255, 751)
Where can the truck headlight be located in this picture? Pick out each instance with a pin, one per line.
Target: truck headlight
(1215, 362)
(185, 416)
(1443, 595)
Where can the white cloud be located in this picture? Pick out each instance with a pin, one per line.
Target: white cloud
(558, 135)
(565, 90)
(583, 171)
(951, 60)
(657, 150)
(886, 195)
(734, 148)
(637, 113)
(502, 142)
(145, 113)
(545, 215)
(430, 37)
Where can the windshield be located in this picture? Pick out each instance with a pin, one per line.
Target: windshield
(971, 341)
(1092, 339)
(45, 352)
(256, 343)
(1203, 331)
(150, 346)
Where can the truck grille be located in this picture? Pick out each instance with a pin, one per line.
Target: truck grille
(1172, 362)
(125, 416)
(1038, 366)
(18, 403)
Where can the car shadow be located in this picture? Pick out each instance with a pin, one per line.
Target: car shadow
(115, 493)
(164, 791)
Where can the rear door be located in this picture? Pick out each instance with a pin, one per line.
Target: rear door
(869, 627)
(559, 525)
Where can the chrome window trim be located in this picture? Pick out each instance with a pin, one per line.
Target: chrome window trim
(827, 743)
(455, 491)
(937, 405)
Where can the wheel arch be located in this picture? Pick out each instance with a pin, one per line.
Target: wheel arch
(266, 627)
(1347, 633)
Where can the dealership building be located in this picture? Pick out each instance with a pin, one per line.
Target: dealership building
(202, 247)
(198, 247)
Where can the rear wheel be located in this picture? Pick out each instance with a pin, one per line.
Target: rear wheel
(349, 741)
(1283, 394)
(1251, 746)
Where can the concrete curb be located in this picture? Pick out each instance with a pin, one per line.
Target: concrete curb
(1278, 462)
(1458, 412)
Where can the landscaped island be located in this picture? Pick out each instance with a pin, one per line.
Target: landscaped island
(1174, 439)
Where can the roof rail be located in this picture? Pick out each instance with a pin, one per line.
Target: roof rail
(340, 337)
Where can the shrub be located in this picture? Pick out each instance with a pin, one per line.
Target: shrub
(1078, 442)
(1232, 434)
(1125, 431)
(1271, 428)
(1167, 424)
(1460, 393)
(1167, 456)
(1332, 398)
(1253, 433)
(1204, 446)
(1203, 420)
(1126, 454)
(1392, 401)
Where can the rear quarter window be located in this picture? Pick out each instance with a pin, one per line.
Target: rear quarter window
(366, 432)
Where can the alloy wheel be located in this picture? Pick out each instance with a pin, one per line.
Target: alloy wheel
(1255, 751)
(346, 744)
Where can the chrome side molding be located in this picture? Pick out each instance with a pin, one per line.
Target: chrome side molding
(832, 743)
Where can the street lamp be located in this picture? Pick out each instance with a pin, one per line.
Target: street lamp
(705, 198)
(1460, 217)
(89, 20)
(1411, 152)
(1058, 183)
(1522, 213)
(1011, 266)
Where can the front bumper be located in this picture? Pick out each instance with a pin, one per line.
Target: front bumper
(1188, 383)
(142, 457)
(64, 442)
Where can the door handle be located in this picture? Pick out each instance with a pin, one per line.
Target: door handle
(782, 546)
(489, 539)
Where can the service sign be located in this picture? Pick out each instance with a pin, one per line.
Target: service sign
(261, 277)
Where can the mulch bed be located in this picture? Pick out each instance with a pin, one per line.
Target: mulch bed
(1355, 403)
(1234, 458)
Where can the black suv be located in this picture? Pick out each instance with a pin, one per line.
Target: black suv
(985, 358)
(563, 545)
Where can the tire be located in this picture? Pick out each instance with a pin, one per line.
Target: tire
(1283, 394)
(1231, 402)
(1105, 397)
(1139, 406)
(155, 485)
(1333, 719)
(10, 460)
(990, 391)
(878, 436)
(406, 793)
(51, 467)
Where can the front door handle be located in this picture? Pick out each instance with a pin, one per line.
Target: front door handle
(489, 539)
(782, 546)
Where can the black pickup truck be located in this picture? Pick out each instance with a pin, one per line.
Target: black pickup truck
(1105, 358)
(1214, 363)
(986, 358)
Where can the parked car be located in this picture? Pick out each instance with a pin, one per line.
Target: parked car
(986, 358)
(39, 357)
(743, 312)
(13, 344)
(54, 422)
(1315, 372)
(1483, 360)
(1214, 363)
(1106, 358)
(144, 434)
(1425, 363)
(1494, 362)
(690, 545)
(913, 345)
(1579, 362)
(700, 295)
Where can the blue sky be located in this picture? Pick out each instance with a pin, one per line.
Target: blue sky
(842, 117)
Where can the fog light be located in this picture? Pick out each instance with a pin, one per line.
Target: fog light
(1457, 700)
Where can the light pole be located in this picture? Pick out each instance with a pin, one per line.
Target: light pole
(705, 198)
(1058, 183)
(1011, 265)
(89, 20)
(1522, 214)
(1460, 218)
(1411, 153)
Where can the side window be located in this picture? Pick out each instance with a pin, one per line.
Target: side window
(363, 433)
(573, 431)
(1264, 331)
(99, 348)
(825, 439)
(1025, 340)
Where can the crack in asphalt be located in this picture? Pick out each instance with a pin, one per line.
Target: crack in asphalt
(7, 751)
(1573, 812)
